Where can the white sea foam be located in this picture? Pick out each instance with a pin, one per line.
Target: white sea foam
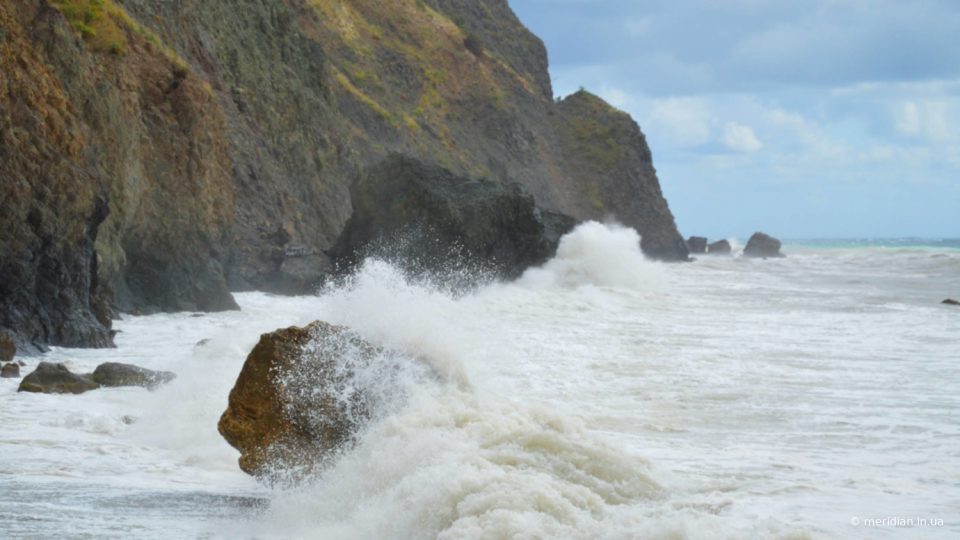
(601, 396)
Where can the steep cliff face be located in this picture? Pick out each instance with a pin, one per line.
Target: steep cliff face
(223, 137)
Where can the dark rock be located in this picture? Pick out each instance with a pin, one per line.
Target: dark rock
(300, 275)
(762, 245)
(51, 378)
(8, 347)
(115, 374)
(10, 371)
(275, 426)
(608, 172)
(697, 245)
(428, 219)
(720, 247)
(951, 302)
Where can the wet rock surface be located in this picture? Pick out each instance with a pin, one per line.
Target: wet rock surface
(117, 374)
(51, 378)
(10, 371)
(287, 410)
(427, 219)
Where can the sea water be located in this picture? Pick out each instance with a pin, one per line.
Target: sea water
(599, 396)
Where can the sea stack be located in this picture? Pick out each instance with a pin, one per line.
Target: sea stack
(720, 247)
(697, 245)
(762, 245)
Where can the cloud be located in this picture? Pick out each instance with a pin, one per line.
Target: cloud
(683, 122)
(928, 119)
(740, 138)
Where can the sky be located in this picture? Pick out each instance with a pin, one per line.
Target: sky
(800, 118)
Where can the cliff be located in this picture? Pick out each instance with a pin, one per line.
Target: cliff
(158, 154)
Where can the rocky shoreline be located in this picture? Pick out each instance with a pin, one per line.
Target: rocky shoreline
(174, 153)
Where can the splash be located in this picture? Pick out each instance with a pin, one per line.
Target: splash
(601, 255)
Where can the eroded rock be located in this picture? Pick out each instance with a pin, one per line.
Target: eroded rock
(720, 247)
(762, 245)
(51, 378)
(116, 374)
(295, 403)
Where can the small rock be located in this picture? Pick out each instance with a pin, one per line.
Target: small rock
(697, 244)
(951, 302)
(8, 347)
(720, 247)
(10, 371)
(51, 378)
(762, 245)
(115, 374)
(202, 342)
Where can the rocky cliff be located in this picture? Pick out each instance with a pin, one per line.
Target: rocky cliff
(156, 154)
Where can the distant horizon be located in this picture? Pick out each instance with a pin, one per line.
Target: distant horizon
(802, 121)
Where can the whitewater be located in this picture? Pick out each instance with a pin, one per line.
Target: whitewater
(601, 395)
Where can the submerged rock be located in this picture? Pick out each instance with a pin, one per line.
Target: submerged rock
(427, 219)
(116, 374)
(762, 245)
(51, 378)
(10, 371)
(720, 247)
(292, 405)
(951, 302)
(697, 244)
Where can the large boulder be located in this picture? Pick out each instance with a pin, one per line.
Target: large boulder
(762, 245)
(720, 247)
(427, 219)
(117, 374)
(293, 404)
(51, 378)
(697, 244)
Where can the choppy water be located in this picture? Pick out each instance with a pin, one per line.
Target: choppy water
(602, 396)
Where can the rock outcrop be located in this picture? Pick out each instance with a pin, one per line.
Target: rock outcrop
(51, 378)
(288, 409)
(155, 154)
(762, 245)
(427, 219)
(720, 247)
(697, 245)
(117, 374)
(951, 302)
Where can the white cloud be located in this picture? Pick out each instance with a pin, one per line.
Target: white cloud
(683, 122)
(929, 119)
(740, 138)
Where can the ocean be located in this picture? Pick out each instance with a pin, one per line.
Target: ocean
(599, 396)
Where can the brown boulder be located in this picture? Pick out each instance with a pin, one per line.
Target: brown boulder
(56, 379)
(292, 406)
(10, 371)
